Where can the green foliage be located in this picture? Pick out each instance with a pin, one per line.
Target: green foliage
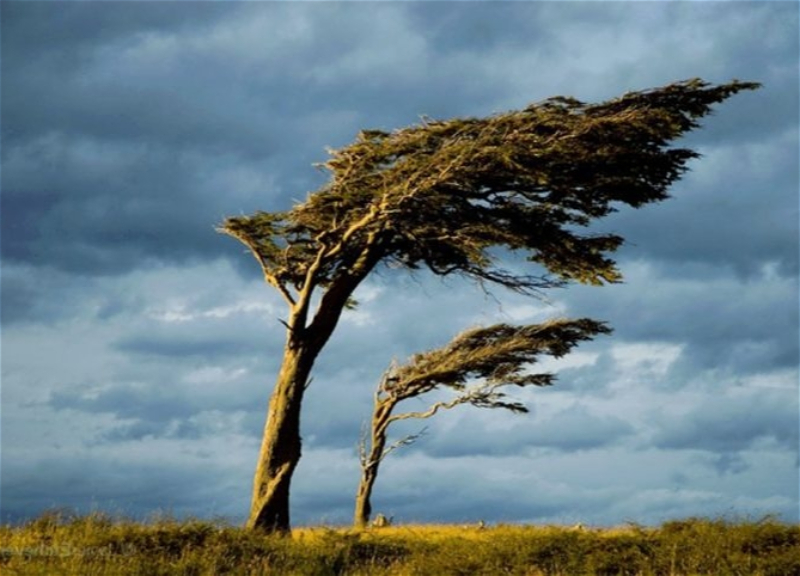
(61, 543)
(444, 193)
(498, 354)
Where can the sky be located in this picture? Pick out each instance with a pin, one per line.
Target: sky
(139, 346)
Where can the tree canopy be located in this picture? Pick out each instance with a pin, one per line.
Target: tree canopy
(495, 356)
(442, 194)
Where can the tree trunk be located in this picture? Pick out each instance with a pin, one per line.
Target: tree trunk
(369, 473)
(281, 444)
(363, 505)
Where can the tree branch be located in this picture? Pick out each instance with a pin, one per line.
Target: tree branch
(405, 441)
(430, 411)
(269, 277)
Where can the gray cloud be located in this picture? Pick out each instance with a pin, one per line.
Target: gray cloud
(132, 489)
(572, 429)
(151, 405)
(28, 295)
(716, 219)
(139, 346)
(224, 419)
(162, 345)
(150, 101)
(743, 325)
(732, 424)
(728, 463)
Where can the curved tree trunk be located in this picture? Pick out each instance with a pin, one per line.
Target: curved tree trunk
(363, 505)
(281, 444)
(369, 473)
(371, 457)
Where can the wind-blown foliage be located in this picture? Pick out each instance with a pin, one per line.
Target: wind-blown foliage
(476, 365)
(496, 355)
(452, 196)
(443, 193)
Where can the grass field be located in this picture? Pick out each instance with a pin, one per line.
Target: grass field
(59, 543)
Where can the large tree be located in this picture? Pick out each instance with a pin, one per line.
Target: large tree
(475, 366)
(446, 195)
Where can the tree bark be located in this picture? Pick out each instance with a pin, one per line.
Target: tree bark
(281, 445)
(363, 505)
(369, 473)
(371, 458)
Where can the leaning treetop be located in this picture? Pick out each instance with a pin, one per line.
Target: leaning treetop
(497, 356)
(443, 193)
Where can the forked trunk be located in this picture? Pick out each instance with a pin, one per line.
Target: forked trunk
(281, 445)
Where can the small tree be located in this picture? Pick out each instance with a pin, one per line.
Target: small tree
(495, 357)
(443, 195)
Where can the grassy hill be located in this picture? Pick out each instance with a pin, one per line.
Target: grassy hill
(59, 543)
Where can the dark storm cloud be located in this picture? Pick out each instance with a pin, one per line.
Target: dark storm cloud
(155, 404)
(743, 325)
(199, 345)
(485, 27)
(141, 150)
(35, 27)
(132, 489)
(153, 100)
(104, 58)
(716, 217)
(97, 208)
(572, 429)
(734, 423)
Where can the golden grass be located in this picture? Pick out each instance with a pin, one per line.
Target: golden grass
(58, 543)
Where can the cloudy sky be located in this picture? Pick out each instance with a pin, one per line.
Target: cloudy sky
(139, 346)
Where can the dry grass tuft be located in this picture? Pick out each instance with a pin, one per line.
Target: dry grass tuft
(62, 543)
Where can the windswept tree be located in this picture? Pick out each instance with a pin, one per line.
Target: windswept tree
(450, 196)
(476, 365)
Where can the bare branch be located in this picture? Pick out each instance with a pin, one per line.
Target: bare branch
(430, 411)
(362, 445)
(405, 441)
